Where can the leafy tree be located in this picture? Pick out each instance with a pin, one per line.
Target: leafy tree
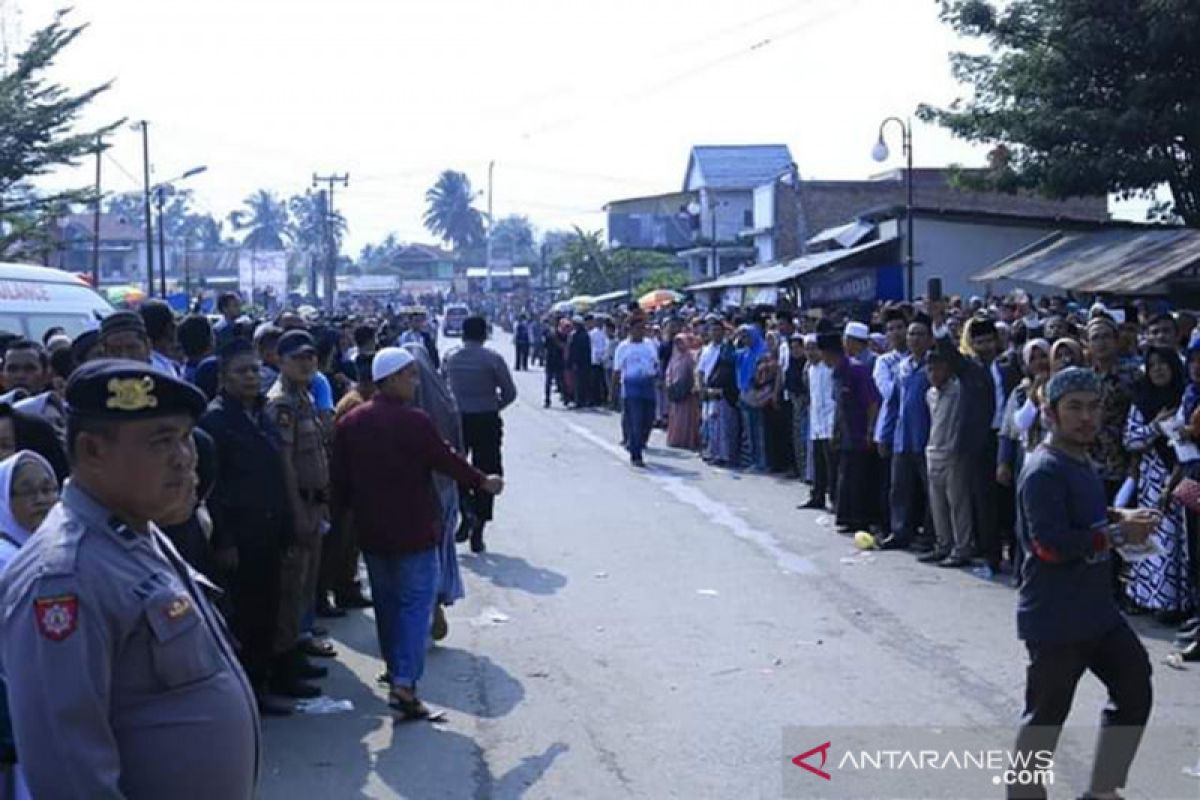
(672, 277)
(1083, 98)
(594, 270)
(266, 221)
(183, 221)
(313, 224)
(37, 132)
(449, 214)
(512, 238)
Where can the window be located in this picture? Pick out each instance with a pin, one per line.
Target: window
(748, 218)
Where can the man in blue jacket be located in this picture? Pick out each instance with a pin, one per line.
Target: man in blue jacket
(904, 432)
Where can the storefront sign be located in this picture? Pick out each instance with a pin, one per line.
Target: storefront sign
(844, 286)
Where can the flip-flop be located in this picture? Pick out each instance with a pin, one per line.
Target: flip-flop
(318, 648)
(415, 710)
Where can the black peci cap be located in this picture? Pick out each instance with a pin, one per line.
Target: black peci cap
(118, 389)
(295, 341)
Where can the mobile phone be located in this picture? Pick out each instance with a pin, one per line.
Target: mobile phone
(933, 289)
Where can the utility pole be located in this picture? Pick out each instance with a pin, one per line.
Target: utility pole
(488, 241)
(162, 245)
(146, 198)
(331, 248)
(96, 220)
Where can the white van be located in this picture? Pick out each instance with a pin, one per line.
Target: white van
(35, 299)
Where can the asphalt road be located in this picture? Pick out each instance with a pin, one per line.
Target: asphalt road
(662, 633)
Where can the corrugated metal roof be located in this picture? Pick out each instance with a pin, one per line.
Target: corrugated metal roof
(739, 166)
(1119, 260)
(775, 274)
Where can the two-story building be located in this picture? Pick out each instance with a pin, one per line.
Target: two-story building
(709, 225)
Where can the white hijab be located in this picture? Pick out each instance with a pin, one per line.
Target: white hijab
(15, 534)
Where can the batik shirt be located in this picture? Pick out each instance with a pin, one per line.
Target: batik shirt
(1116, 394)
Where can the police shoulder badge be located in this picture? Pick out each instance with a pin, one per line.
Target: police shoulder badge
(131, 394)
(178, 608)
(56, 617)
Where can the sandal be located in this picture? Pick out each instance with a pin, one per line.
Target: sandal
(413, 709)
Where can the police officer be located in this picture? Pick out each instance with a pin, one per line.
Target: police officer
(121, 676)
(302, 438)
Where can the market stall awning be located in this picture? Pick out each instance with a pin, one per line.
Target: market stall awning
(776, 274)
(1126, 260)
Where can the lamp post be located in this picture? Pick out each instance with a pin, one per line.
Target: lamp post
(880, 153)
(144, 127)
(159, 191)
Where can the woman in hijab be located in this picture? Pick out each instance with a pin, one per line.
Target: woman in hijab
(434, 398)
(28, 490)
(1020, 426)
(750, 348)
(1161, 582)
(683, 416)
(1066, 352)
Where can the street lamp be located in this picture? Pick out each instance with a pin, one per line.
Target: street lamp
(880, 153)
(159, 191)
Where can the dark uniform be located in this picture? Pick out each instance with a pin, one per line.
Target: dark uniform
(121, 674)
(249, 507)
(290, 410)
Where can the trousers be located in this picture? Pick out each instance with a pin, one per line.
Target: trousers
(825, 472)
(254, 599)
(482, 435)
(984, 497)
(404, 588)
(950, 502)
(299, 569)
(522, 356)
(909, 498)
(1120, 661)
(637, 422)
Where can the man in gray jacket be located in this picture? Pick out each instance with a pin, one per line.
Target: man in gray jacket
(482, 387)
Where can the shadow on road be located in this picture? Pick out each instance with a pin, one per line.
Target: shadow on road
(674, 472)
(469, 683)
(425, 761)
(514, 572)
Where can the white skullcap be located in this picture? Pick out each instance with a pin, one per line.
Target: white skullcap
(389, 361)
(857, 330)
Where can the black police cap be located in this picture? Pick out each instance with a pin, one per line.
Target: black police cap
(295, 341)
(122, 390)
(234, 348)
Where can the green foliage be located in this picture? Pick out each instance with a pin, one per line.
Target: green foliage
(266, 221)
(1083, 98)
(672, 277)
(512, 239)
(37, 132)
(312, 225)
(183, 221)
(594, 270)
(449, 213)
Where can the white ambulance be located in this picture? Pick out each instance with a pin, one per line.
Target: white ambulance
(35, 299)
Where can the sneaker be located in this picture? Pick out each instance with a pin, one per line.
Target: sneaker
(477, 545)
(933, 556)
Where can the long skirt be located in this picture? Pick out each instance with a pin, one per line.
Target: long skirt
(450, 584)
(1162, 582)
(683, 424)
(777, 436)
(724, 434)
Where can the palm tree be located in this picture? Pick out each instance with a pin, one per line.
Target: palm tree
(313, 222)
(267, 219)
(449, 214)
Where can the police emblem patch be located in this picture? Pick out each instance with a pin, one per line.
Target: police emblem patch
(178, 607)
(56, 617)
(131, 394)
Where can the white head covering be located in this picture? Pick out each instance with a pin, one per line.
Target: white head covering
(857, 330)
(389, 361)
(8, 523)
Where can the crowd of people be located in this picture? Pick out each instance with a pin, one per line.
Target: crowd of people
(182, 503)
(912, 421)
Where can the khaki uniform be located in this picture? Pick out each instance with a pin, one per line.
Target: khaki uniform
(121, 675)
(303, 444)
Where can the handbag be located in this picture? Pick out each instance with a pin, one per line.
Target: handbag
(679, 391)
(1187, 492)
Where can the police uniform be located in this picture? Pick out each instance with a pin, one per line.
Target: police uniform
(122, 678)
(303, 445)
